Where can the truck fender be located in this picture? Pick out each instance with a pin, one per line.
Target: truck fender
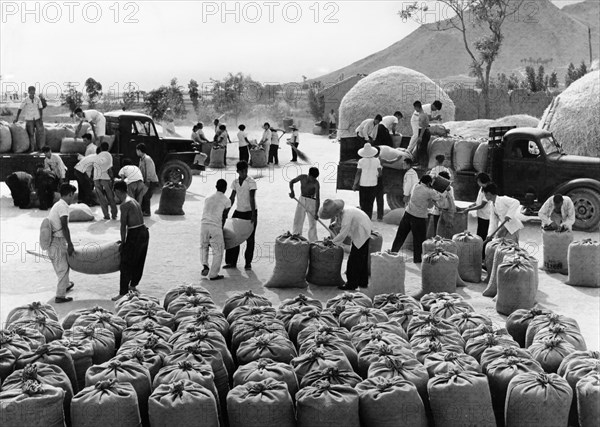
(565, 187)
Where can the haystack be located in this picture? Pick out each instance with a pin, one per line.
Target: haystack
(481, 128)
(574, 116)
(385, 91)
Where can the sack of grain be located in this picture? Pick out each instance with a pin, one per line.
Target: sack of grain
(438, 130)
(360, 340)
(262, 369)
(430, 299)
(349, 299)
(451, 223)
(55, 134)
(102, 340)
(493, 329)
(145, 330)
(570, 335)
(519, 320)
(449, 361)
(470, 390)
(443, 146)
(13, 342)
(202, 317)
(395, 302)
(206, 338)
(387, 402)
(424, 319)
(258, 157)
(32, 404)
(550, 352)
(583, 259)
(82, 353)
(108, 321)
(394, 157)
(248, 312)
(500, 351)
(31, 311)
(546, 321)
(517, 285)
(114, 403)
(5, 137)
(196, 372)
(325, 264)
(245, 329)
(244, 298)
(94, 258)
(490, 250)
(447, 308)
(410, 370)
(465, 320)
(463, 153)
(73, 145)
(324, 404)
(480, 158)
(217, 158)
(291, 262)
(315, 330)
(477, 345)
(7, 363)
(430, 334)
(439, 272)
(182, 402)
(502, 251)
(330, 342)
(375, 245)
(556, 248)
(376, 351)
(588, 396)
(49, 328)
(549, 394)
(575, 367)
(19, 137)
(332, 375)
(265, 403)
(301, 300)
(236, 231)
(470, 252)
(52, 355)
(132, 299)
(387, 272)
(318, 359)
(271, 346)
(352, 316)
(184, 302)
(187, 289)
(172, 199)
(142, 356)
(435, 242)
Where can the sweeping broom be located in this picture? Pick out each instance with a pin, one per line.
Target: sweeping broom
(299, 153)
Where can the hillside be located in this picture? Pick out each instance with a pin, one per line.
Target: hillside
(548, 33)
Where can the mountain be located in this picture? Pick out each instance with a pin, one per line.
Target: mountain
(540, 33)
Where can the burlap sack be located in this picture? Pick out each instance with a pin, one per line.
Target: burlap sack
(102, 340)
(410, 370)
(301, 300)
(147, 311)
(106, 403)
(244, 298)
(519, 320)
(375, 351)
(470, 253)
(258, 158)
(49, 328)
(204, 318)
(588, 395)
(430, 334)
(430, 299)
(13, 342)
(5, 137)
(56, 355)
(550, 352)
(353, 316)
(324, 404)
(424, 319)
(317, 330)
(109, 321)
(145, 330)
(439, 272)
(375, 245)
(217, 158)
(349, 299)
(448, 308)
(182, 403)
(247, 328)
(477, 345)
(82, 353)
(360, 341)
(198, 373)
(325, 264)
(265, 403)
(449, 361)
(451, 223)
(262, 369)
(556, 248)
(73, 145)
(291, 262)
(318, 359)
(187, 289)
(501, 252)
(468, 320)
(144, 357)
(547, 320)
(19, 137)
(24, 406)
(499, 351)
(7, 363)
(388, 270)
(574, 368)
(172, 198)
(31, 311)
(270, 346)
(570, 335)
(330, 342)
(583, 262)
(185, 302)
(71, 317)
(236, 231)
(517, 285)
(96, 258)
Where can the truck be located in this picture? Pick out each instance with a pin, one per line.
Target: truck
(526, 163)
(174, 158)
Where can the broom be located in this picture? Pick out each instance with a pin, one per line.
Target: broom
(299, 153)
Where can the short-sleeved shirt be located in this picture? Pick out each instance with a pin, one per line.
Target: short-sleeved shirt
(486, 211)
(214, 205)
(389, 122)
(93, 116)
(87, 164)
(423, 121)
(31, 108)
(369, 168)
(266, 137)
(420, 199)
(274, 138)
(331, 118)
(367, 129)
(242, 136)
(295, 136)
(60, 209)
(105, 163)
(131, 173)
(410, 180)
(148, 169)
(56, 165)
(243, 193)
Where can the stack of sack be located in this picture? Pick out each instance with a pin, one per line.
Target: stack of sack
(351, 361)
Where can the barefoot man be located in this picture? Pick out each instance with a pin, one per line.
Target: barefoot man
(307, 203)
(134, 241)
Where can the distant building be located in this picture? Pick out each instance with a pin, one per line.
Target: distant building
(333, 94)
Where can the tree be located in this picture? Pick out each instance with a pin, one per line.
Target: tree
(158, 100)
(582, 70)
(194, 94)
(553, 81)
(531, 78)
(472, 16)
(71, 97)
(571, 75)
(93, 89)
(316, 104)
(236, 94)
(541, 81)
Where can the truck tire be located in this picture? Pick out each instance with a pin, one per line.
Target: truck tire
(394, 201)
(176, 171)
(587, 208)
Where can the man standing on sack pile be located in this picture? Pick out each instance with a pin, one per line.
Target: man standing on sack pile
(418, 146)
(96, 119)
(211, 230)
(32, 108)
(557, 213)
(505, 213)
(356, 225)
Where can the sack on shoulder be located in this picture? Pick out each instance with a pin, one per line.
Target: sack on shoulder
(45, 234)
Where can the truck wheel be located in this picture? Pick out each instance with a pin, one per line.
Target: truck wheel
(587, 208)
(177, 172)
(395, 201)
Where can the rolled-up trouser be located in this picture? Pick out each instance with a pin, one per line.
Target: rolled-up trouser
(137, 190)
(133, 257)
(59, 257)
(37, 134)
(85, 186)
(306, 205)
(211, 236)
(106, 196)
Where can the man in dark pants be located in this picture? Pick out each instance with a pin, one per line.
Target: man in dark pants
(134, 241)
(482, 206)
(46, 185)
(244, 187)
(424, 135)
(148, 169)
(294, 142)
(85, 167)
(382, 138)
(368, 171)
(415, 217)
(19, 184)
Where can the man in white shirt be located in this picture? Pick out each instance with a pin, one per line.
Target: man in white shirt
(62, 245)
(244, 188)
(132, 175)
(356, 225)
(482, 206)
(410, 180)
(391, 122)
(368, 172)
(367, 130)
(294, 142)
(85, 167)
(433, 111)
(505, 210)
(558, 213)
(54, 164)
(148, 170)
(273, 148)
(243, 143)
(96, 119)
(32, 109)
(211, 230)
(103, 182)
(265, 140)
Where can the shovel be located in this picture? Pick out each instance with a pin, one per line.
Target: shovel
(493, 234)
(318, 220)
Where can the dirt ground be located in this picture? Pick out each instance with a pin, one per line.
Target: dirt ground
(174, 254)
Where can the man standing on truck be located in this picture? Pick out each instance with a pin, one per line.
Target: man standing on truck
(148, 169)
(433, 111)
(391, 122)
(103, 181)
(134, 241)
(96, 119)
(419, 151)
(505, 212)
(367, 130)
(32, 108)
(558, 213)
(54, 164)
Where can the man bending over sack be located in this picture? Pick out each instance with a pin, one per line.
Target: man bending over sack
(308, 203)
(134, 241)
(558, 213)
(132, 175)
(61, 246)
(20, 185)
(356, 225)
(211, 230)
(54, 164)
(505, 212)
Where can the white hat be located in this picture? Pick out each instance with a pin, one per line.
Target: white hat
(367, 151)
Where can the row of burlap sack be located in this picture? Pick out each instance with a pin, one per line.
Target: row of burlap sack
(14, 138)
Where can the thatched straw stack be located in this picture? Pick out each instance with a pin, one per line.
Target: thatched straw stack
(574, 116)
(481, 128)
(385, 91)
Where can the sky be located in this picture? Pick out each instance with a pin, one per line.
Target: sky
(146, 43)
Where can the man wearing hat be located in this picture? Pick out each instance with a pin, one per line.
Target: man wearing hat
(356, 225)
(294, 141)
(368, 172)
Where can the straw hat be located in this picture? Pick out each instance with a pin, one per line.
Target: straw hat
(367, 151)
(331, 208)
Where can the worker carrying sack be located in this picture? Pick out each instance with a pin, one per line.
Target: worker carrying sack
(236, 231)
(556, 248)
(94, 258)
(388, 270)
(324, 405)
(325, 264)
(470, 253)
(517, 285)
(172, 199)
(25, 405)
(291, 262)
(439, 272)
(45, 234)
(217, 157)
(583, 262)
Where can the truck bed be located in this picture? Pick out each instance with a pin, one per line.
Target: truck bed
(28, 162)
